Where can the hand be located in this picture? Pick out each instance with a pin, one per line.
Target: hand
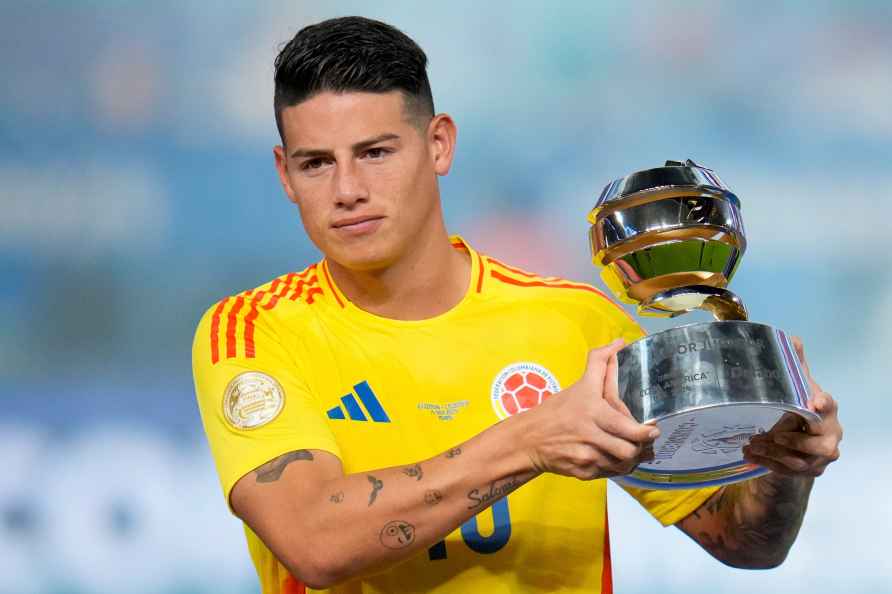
(794, 447)
(586, 431)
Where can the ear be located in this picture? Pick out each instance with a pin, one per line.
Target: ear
(282, 169)
(441, 135)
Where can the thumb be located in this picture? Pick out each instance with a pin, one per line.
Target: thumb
(598, 360)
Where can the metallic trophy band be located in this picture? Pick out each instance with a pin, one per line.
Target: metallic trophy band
(669, 240)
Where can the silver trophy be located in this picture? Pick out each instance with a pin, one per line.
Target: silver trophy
(669, 240)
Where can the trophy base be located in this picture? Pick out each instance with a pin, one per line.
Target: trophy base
(709, 388)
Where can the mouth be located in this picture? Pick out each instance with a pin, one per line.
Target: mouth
(358, 225)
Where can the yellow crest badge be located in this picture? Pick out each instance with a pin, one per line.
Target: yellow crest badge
(252, 399)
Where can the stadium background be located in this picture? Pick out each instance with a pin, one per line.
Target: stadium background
(137, 187)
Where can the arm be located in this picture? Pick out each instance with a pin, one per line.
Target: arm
(753, 524)
(327, 527)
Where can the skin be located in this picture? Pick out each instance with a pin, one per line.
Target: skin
(362, 158)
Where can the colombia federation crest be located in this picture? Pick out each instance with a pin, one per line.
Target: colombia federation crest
(520, 387)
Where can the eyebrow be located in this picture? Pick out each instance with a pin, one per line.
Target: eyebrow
(363, 144)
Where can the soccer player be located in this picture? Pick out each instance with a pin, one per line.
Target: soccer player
(410, 415)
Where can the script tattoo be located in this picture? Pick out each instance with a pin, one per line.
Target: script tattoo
(495, 491)
(337, 497)
(272, 470)
(433, 497)
(414, 471)
(397, 534)
(751, 524)
(377, 485)
(452, 453)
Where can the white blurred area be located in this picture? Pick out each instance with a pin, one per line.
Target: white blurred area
(137, 187)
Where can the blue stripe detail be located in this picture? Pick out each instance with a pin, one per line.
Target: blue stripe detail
(353, 409)
(371, 402)
(336, 413)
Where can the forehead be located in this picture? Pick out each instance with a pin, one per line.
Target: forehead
(329, 119)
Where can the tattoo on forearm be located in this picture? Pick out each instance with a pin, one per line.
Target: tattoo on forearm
(377, 485)
(414, 471)
(272, 470)
(452, 453)
(754, 523)
(397, 534)
(337, 497)
(480, 499)
(433, 497)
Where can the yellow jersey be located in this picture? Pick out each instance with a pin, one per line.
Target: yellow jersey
(294, 365)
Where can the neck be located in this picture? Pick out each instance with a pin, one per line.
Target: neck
(429, 281)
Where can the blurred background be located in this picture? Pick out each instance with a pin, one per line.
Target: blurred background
(137, 187)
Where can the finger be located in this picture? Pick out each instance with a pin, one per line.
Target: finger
(597, 360)
(823, 446)
(625, 427)
(791, 459)
(620, 452)
(769, 464)
(827, 408)
(800, 352)
(611, 387)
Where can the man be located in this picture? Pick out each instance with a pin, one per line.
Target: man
(411, 415)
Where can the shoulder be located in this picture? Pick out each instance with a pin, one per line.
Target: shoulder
(516, 283)
(232, 326)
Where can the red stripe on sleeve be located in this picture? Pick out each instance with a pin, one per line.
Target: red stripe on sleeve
(312, 293)
(276, 296)
(231, 323)
(559, 285)
(492, 260)
(606, 565)
(299, 289)
(479, 273)
(249, 324)
(215, 331)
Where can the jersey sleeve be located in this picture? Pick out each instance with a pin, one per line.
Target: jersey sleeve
(670, 506)
(255, 403)
(607, 321)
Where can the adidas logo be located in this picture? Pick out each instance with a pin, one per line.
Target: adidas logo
(354, 411)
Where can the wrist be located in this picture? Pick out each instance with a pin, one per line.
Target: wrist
(517, 441)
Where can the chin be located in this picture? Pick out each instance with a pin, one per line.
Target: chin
(361, 258)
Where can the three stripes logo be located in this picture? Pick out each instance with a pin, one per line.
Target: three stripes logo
(354, 411)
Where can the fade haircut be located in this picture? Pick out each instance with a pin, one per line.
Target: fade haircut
(352, 54)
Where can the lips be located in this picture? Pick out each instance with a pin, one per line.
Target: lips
(352, 221)
(358, 226)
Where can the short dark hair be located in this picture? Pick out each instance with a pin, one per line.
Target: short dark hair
(351, 54)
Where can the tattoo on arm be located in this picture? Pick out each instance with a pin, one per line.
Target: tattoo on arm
(377, 485)
(751, 524)
(337, 497)
(272, 470)
(397, 534)
(432, 497)
(414, 471)
(452, 453)
(480, 499)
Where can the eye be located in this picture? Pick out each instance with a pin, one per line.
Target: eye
(377, 152)
(312, 164)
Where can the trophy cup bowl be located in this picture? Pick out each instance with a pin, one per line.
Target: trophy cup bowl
(669, 240)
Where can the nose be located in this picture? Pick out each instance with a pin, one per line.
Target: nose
(349, 188)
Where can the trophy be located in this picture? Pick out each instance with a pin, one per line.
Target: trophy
(669, 240)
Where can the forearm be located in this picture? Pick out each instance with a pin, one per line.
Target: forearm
(752, 524)
(366, 521)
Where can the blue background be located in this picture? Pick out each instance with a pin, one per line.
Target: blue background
(137, 187)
